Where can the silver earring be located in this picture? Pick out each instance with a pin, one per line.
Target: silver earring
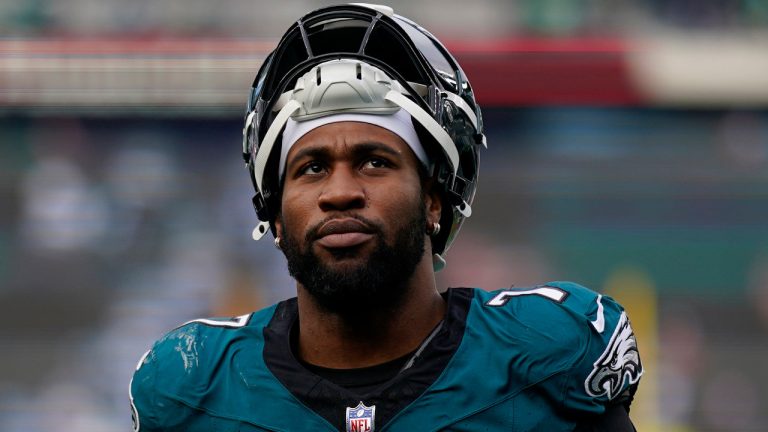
(434, 229)
(277, 242)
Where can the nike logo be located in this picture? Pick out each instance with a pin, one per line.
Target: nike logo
(599, 322)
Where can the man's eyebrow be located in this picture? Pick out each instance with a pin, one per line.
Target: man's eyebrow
(371, 146)
(309, 152)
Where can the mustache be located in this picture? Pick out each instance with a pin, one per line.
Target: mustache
(368, 225)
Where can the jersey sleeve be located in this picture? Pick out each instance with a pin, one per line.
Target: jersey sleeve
(153, 406)
(163, 378)
(142, 396)
(174, 379)
(608, 368)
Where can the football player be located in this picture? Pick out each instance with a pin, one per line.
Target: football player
(361, 138)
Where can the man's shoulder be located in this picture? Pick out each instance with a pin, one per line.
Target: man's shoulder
(203, 340)
(190, 364)
(194, 351)
(562, 321)
(563, 328)
(547, 307)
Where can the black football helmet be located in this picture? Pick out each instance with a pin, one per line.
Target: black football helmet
(402, 66)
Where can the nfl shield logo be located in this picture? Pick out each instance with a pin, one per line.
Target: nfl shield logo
(360, 418)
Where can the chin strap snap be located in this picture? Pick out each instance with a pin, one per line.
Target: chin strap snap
(438, 263)
(260, 230)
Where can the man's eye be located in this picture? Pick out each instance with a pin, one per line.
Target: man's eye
(312, 168)
(376, 163)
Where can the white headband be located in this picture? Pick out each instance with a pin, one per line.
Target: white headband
(398, 123)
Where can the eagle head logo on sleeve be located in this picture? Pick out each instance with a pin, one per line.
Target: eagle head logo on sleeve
(618, 365)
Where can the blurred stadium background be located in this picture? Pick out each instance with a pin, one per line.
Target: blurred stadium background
(628, 151)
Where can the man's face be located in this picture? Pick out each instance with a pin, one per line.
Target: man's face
(353, 216)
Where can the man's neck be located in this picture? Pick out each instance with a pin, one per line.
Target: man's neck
(338, 341)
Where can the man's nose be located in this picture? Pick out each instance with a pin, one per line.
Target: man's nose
(342, 191)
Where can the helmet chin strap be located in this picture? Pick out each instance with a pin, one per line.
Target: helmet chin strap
(260, 164)
(263, 154)
(440, 135)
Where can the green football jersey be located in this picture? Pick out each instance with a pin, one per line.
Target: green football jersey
(520, 359)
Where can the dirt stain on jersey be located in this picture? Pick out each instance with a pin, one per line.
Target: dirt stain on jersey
(186, 346)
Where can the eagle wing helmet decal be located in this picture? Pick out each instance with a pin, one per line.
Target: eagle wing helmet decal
(619, 363)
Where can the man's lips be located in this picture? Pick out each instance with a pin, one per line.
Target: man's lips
(343, 233)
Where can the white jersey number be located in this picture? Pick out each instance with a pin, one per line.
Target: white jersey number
(554, 294)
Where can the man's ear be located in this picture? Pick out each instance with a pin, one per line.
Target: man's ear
(432, 201)
(278, 222)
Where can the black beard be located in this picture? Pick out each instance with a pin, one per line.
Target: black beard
(376, 285)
